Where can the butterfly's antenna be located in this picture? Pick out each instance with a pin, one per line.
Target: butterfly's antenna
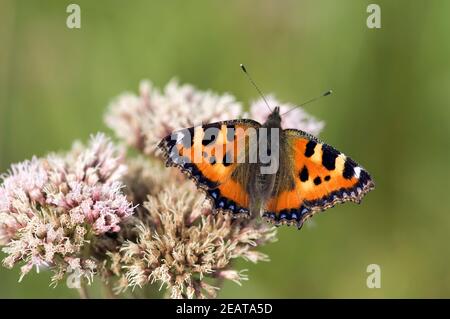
(256, 87)
(309, 101)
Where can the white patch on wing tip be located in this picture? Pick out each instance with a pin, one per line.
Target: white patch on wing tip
(179, 136)
(357, 171)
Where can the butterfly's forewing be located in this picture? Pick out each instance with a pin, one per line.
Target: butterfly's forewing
(323, 178)
(209, 155)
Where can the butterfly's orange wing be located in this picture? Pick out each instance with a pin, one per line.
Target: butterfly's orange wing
(209, 155)
(323, 177)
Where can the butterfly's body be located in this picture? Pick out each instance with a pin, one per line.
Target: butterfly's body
(260, 186)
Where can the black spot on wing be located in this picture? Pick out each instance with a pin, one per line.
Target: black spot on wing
(227, 159)
(309, 151)
(349, 168)
(304, 174)
(317, 180)
(327, 178)
(329, 155)
(210, 136)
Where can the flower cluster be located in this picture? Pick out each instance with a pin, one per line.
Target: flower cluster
(131, 221)
(180, 243)
(50, 208)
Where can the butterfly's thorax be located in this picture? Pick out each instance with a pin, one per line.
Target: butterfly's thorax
(261, 183)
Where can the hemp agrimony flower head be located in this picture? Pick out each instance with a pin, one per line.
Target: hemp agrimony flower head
(51, 208)
(174, 241)
(142, 121)
(181, 244)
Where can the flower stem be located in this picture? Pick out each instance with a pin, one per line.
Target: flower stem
(83, 291)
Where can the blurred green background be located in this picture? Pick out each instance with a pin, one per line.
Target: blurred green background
(390, 112)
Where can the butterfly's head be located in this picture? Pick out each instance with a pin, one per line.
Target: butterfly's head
(274, 119)
(276, 110)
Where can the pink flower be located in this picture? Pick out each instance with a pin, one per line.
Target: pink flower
(50, 207)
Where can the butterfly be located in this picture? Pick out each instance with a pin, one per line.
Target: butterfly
(298, 176)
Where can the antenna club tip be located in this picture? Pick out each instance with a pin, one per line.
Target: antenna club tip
(328, 92)
(243, 67)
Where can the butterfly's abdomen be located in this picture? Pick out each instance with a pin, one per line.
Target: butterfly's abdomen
(264, 184)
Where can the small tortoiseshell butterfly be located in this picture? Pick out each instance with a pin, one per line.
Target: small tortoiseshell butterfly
(309, 176)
